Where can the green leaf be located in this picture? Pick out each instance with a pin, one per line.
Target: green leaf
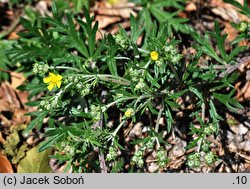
(54, 8)
(49, 142)
(35, 162)
(213, 112)
(152, 80)
(75, 39)
(220, 40)
(160, 15)
(205, 46)
(112, 62)
(37, 122)
(169, 120)
(197, 93)
(141, 141)
(26, 24)
(32, 103)
(136, 31)
(235, 52)
(148, 20)
(170, 3)
(229, 102)
(192, 144)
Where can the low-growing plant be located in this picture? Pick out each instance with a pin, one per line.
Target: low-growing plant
(5, 63)
(153, 11)
(84, 82)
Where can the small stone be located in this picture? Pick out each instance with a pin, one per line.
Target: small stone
(242, 129)
(191, 7)
(179, 149)
(245, 146)
(233, 146)
(136, 131)
(153, 167)
(230, 136)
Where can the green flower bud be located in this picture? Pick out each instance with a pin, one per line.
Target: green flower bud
(150, 144)
(208, 131)
(205, 146)
(67, 148)
(63, 144)
(197, 163)
(210, 158)
(112, 154)
(193, 160)
(190, 163)
(121, 40)
(95, 112)
(40, 68)
(169, 48)
(159, 62)
(140, 163)
(243, 26)
(139, 153)
(212, 127)
(176, 58)
(72, 151)
(140, 85)
(162, 159)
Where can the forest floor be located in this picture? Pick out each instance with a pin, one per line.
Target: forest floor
(232, 144)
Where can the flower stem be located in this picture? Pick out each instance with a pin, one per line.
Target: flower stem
(159, 116)
(143, 51)
(122, 58)
(67, 68)
(203, 109)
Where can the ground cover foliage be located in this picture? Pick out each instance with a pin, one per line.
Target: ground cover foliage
(163, 88)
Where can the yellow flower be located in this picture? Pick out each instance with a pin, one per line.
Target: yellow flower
(113, 1)
(53, 80)
(154, 55)
(129, 112)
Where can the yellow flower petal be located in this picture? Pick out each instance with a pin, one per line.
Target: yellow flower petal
(129, 112)
(46, 79)
(58, 84)
(51, 74)
(59, 77)
(51, 86)
(53, 80)
(154, 55)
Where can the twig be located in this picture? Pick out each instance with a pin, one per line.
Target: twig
(10, 28)
(10, 72)
(103, 166)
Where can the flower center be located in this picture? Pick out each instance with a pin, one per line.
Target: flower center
(53, 80)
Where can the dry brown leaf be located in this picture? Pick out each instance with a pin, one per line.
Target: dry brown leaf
(7, 93)
(13, 35)
(243, 87)
(191, 7)
(115, 28)
(231, 31)
(244, 92)
(12, 107)
(17, 79)
(220, 11)
(227, 11)
(121, 9)
(5, 166)
(105, 21)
